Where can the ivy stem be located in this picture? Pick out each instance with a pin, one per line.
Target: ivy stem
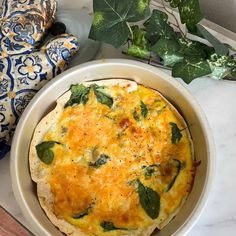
(151, 61)
(131, 32)
(174, 25)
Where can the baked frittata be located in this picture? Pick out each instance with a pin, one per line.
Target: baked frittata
(113, 158)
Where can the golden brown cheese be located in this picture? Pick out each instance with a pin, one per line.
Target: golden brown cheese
(133, 142)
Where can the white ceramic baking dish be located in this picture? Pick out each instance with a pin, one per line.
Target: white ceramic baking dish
(44, 101)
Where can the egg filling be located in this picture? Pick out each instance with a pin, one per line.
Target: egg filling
(118, 161)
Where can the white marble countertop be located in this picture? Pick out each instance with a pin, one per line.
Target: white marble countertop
(218, 100)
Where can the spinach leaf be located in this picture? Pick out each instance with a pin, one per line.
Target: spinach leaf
(190, 69)
(44, 151)
(150, 170)
(102, 160)
(83, 213)
(175, 133)
(135, 115)
(149, 200)
(79, 94)
(144, 110)
(111, 17)
(157, 26)
(219, 47)
(177, 165)
(109, 226)
(168, 50)
(102, 97)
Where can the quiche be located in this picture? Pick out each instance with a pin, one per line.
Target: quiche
(113, 158)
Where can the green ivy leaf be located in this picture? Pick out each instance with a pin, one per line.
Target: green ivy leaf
(110, 24)
(139, 36)
(175, 133)
(44, 151)
(221, 66)
(102, 160)
(174, 3)
(138, 52)
(79, 94)
(172, 59)
(101, 96)
(139, 43)
(190, 69)
(149, 200)
(190, 13)
(144, 110)
(158, 26)
(233, 73)
(168, 49)
(219, 72)
(219, 47)
(191, 48)
(109, 226)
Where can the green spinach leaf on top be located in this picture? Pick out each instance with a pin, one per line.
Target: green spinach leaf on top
(79, 94)
(83, 213)
(136, 116)
(101, 96)
(143, 113)
(44, 151)
(109, 226)
(176, 164)
(175, 133)
(102, 160)
(144, 109)
(149, 200)
(151, 170)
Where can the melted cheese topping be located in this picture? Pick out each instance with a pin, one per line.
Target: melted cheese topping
(132, 144)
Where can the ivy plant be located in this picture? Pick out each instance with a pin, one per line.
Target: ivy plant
(140, 33)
